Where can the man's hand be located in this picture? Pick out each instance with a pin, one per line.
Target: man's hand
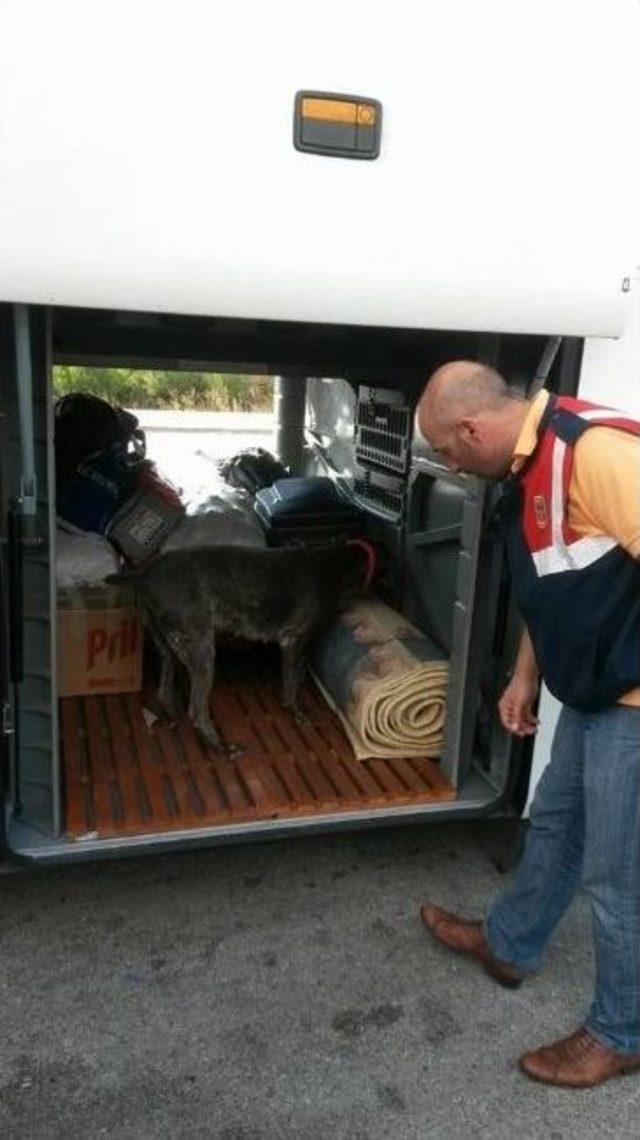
(516, 703)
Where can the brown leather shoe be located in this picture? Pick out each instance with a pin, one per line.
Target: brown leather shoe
(578, 1062)
(467, 938)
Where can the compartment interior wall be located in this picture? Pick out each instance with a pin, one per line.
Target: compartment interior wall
(450, 574)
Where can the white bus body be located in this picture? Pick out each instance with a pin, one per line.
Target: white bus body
(147, 161)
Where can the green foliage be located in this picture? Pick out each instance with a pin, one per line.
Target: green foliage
(143, 388)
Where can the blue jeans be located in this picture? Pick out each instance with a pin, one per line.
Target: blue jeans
(584, 831)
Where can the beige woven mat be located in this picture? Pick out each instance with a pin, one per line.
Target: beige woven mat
(386, 680)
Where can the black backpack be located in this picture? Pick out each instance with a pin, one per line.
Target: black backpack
(86, 425)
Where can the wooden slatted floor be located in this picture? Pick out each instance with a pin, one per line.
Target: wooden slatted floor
(124, 778)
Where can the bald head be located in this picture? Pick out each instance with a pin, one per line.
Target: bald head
(470, 416)
(463, 388)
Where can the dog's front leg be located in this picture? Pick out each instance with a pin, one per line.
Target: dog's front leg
(198, 658)
(167, 687)
(166, 692)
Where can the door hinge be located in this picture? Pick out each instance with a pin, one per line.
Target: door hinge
(8, 726)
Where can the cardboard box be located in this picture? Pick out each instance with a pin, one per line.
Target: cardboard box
(99, 641)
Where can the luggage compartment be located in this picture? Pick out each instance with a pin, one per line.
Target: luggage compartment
(87, 774)
(123, 778)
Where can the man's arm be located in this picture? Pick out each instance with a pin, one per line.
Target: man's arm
(517, 701)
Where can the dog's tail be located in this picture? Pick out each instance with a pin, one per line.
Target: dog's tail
(371, 556)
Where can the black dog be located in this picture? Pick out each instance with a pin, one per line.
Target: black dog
(283, 594)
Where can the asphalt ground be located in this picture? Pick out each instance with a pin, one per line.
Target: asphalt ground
(279, 991)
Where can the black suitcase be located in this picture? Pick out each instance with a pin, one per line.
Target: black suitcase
(312, 510)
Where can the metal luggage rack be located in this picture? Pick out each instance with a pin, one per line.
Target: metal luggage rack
(383, 429)
(380, 492)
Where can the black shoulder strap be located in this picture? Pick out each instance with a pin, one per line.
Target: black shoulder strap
(568, 425)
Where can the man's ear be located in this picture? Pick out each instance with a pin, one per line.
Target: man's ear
(467, 430)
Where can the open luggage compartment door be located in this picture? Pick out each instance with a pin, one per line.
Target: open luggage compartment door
(27, 518)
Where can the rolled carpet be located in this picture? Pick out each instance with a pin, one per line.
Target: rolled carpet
(385, 679)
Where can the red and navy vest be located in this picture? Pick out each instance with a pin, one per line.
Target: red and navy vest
(579, 596)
